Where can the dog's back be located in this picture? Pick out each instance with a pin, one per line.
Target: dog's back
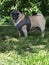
(37, 20)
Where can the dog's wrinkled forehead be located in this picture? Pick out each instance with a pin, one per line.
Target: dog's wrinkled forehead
(15, 12)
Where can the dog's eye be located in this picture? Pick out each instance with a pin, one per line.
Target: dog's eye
(17, 13)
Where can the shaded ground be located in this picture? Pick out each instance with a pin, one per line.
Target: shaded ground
(15, 50)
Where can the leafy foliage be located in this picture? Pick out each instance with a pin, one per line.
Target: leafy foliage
(26, 6)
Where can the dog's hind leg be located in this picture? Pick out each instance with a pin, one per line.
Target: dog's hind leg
(42, 31)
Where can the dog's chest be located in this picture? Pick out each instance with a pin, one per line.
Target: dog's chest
(26, 22)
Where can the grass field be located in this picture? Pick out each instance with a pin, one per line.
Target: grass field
(15, 50)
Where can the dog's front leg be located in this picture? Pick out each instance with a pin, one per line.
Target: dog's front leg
(25, 32)
(24, 29)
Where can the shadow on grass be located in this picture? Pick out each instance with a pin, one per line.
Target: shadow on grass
(8, 31)
(9, 41)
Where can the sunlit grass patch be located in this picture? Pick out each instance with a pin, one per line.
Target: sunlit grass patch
(41, 58)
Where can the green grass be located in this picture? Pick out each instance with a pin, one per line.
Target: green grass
(15, 50)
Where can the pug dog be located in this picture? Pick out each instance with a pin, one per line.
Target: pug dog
(24, 24)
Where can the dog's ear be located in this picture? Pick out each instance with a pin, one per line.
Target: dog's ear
(20, 10)
(11, 10)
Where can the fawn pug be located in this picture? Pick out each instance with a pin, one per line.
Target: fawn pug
(25, 23)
